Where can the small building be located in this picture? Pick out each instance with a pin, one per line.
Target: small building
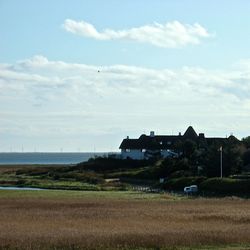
(162, 146)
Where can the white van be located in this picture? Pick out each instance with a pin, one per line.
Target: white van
(191, 189)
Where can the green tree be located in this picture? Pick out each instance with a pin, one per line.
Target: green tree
(246, 157)
(211, 161)
(246, 141)
(232, 162)
(189, 148)
(231, 158)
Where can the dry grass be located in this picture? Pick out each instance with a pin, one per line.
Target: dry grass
(31, 222)
(14, 167)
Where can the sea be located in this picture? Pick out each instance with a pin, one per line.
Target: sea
(46, 158)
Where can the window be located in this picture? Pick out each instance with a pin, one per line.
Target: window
(143, 150)
(127, 150)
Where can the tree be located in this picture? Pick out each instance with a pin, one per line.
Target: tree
(212, 161)
(234, 155)
(232, 162)
(246, 141)
(246, 157)
(231, 158)
(189, 147)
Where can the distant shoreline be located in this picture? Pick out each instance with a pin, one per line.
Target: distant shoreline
(44, 158)
(22, 165)
(58, 152)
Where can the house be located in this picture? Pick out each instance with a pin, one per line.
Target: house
(147, 146)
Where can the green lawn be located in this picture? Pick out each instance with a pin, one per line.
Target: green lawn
(86, 194)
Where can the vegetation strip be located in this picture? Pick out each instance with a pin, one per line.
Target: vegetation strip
(121, 220)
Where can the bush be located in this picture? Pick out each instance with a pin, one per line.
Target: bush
(180, 173)
(88, 177)
(101, 164)
(226, 186)
(33, 171)
(180, 183)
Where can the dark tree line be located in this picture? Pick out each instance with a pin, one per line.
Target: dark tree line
(205, 160)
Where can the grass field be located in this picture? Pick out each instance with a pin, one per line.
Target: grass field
(64, 177)
(124, 220)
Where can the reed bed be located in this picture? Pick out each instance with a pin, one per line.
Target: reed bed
(110, 223)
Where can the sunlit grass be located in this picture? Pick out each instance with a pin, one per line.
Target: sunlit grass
(121, 220)
(51, 194)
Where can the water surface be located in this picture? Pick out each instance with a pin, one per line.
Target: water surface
(46, 158)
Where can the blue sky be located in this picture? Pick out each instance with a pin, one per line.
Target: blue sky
(81, 75)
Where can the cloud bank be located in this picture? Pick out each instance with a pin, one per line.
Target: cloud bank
(170, 35)
(51, 100)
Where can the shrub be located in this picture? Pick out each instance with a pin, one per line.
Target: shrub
(226, 186)
(85, 176)
(101, 164)
(180, 173)
(180, 183)
(32, 171)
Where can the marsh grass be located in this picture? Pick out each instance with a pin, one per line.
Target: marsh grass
(55, 177)
(119, 220)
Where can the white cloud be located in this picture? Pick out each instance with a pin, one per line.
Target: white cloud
(170, 35)
(44, 99)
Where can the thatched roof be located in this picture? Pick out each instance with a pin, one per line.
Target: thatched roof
(167, 141)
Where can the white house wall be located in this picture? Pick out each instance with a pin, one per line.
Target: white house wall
(168, 153)
(135, 154)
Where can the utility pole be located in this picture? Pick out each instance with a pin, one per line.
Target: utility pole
(221, 163)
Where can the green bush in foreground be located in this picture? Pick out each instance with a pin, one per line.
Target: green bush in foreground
(180, 183)
(226, 186)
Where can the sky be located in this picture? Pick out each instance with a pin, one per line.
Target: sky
(79, 76)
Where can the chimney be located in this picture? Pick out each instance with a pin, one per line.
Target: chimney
(127, 137)
(201, 135)
(152, 133)
(179, 133)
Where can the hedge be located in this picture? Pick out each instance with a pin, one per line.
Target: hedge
(180, 183)
(226, 186)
